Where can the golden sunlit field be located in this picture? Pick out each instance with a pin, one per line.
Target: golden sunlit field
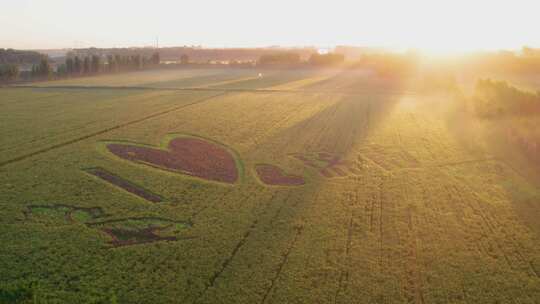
(264, 186)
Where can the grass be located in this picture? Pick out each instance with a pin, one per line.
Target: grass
(425, 219)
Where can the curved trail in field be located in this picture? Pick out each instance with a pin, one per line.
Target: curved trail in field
(106, 130)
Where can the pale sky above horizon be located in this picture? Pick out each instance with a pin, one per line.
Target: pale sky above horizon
(457, 25)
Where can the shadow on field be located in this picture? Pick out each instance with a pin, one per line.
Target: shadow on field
(360, 81)
(338, 128)
(303, 218)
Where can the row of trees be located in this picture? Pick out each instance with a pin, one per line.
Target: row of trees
(390, 64)
(283, 58)
(11, 60)
(88, 63)
(525, 62)
(95, 64)
(9, 72)
(43, 70)
(78, 65)
(11, 56)
(292, 59)
(495, 99)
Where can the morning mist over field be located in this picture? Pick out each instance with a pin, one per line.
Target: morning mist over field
(269, 152)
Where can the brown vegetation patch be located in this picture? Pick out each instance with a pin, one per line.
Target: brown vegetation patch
(124, 184)
(124, 237)
(123, 232)
(272, 175)
(192, 156)
(132, 231)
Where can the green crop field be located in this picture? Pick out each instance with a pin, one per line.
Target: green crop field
(143, 188)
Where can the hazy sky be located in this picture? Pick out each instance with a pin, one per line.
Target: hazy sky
(432, 25)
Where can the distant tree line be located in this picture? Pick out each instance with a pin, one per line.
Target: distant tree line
(11, 60)
(184, 59)
(95, 64)
(282, 58)
(525, 62)
(294, 59)
(42, 68)
(326, 59)
(512, 115)
(389, 64)
(8, 72)
(11, 56)
(197, 54)
(495, 99)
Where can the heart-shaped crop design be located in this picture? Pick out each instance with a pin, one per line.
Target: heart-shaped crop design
(272, 175)
(187, 155)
